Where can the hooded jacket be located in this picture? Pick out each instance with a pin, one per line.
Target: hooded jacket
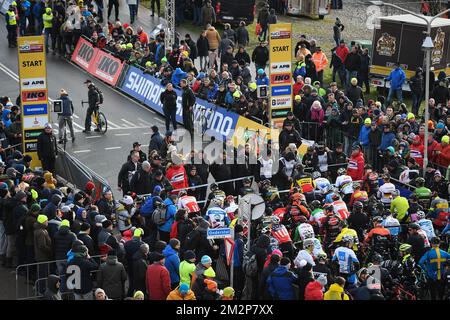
(280, 283)
(63, 241)
(5, 117)
(397, 77)
(111, 277)
(177, 76)
(336, 292)
(42, 243)
(313, 291)
(86, 266)
(172, 264)
(52, 291)
(171, 210)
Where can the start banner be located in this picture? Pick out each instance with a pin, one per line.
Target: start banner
(33, 92)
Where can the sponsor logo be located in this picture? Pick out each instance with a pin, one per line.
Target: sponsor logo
(34, 96)
(33, 83)
(280, 67)
(280, 35)
(280, 113)
(84, 54)
(29, 47)
(34, 122)
(32, 134)
(30, 146)
(280, 78)
(280, 48)
(281, 102)
(107, 68)
(281, 90)
(34, 109)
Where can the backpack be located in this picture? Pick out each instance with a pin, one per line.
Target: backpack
(100, 95)
(191, 240)
(159, 216)
(250, 265)
(147, 208)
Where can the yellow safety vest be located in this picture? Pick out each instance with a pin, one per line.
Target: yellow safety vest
(47, 20)
(11, 18)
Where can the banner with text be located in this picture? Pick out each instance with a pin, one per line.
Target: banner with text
(33, 91)
(280, 47)
(84, 54)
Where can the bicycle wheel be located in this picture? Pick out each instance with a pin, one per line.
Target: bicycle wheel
(102, 123)
(65, 139)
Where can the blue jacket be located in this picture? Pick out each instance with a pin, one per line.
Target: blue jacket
(238, 254)
(38, 10)
(172, 263)
(229, 100)
(67, 106)
(177, 76)
(262, 81)
(280, 283)
(171, 210)
(212, 93)
(397, 77)
(386, 141)
(26, 6)
(6, 120)
(364, 135)
(433, 263)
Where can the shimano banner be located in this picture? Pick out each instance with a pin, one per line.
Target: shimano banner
(219, 122)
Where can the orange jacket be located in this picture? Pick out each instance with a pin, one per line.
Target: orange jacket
(377, 231)
(320, 60)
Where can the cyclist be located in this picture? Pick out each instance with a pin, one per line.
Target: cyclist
(345, 260)
(425, 224)
(344, 183)
(306, 253)
(423, 194)
(358, 220)
(340, 207)
(378, 238)
(216, 216)
(317, 214)
(94, 102)
(370, 181)
(215, 193)
(280, 233)
(433, 263)
(346, 231)
(188, 202)
(439, 212)
(358, 195)
(399, 207)
(331, 226)
(408, 266)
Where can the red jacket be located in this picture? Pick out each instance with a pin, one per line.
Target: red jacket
(416, 152)
(177, 176)
(313, 291)
(432, 147)
(355, 167)
(443, 158)
(342, 53)
(157, 282)
(297, 87)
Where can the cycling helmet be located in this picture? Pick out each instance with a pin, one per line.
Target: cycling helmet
(420, 215)
(275, 220)
(377, 219)
(308, 234)
(341, 171)
(265, 183)
(265, 230)
(405, 247)
(413, 226)
(419, 181)
(316, 174)
(308, 243)
(315, 204)
(377, 258)
(435, 241)
(229, 199)
(356, 185)
(214, 186)
(322, 256)
(182, 193)
(347, 239)
(260, 71)
(358, 205)
(217, 202)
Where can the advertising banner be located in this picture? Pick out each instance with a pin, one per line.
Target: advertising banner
(219, 122)
(84, 54)
(106, 67)
(280, 48)
(33, 91)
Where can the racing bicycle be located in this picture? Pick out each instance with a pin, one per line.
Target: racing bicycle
(98, 118)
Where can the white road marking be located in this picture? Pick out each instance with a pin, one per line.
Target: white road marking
(9, 72)
(75, 116)
(129, 123)
(145, 122)
(122, 134)
(112, 125)
(76, 125)
(82, 151)
(160, 120)
(113, 148)
(92, 137)
(145, 133)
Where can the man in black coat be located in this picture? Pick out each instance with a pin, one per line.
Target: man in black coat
(131, 248)
(127, 171)
(188, 102)
(82, 282)
(19, 213)
(193, 53)
(140, 265)
(141, 181)
(84, 237)
(62, 243)
(242, 35)
(260, 56)
(156, 140)
(93, 101)
(289, 135)
(47, 149)
(169, 100)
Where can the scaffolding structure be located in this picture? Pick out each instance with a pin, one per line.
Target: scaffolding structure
(169, 38)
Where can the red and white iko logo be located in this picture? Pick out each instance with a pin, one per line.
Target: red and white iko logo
(34, 96)
(280, 78)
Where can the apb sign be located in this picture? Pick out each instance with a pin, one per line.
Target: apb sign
(33, 92)
(219, 233)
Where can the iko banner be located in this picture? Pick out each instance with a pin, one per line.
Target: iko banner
(84, 54)
(106, 67)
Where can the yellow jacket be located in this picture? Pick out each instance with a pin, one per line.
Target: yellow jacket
(336, 292)
(349, 232)
(175, 295)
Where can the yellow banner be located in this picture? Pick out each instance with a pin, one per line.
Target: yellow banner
(33, 92)
(280, 69)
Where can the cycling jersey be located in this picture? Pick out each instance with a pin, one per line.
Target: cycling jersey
(359, 195)
(385, 193)
(427, 226)
(189, 203)
(345, 184)
(304, 255)
(217, 217)
(346, 258)
(280, 233)
(340, 208)
(322, 184)
(424, 235)
(392, 225)
(371, 183)
(439, 212)
(305, 183)
(348, 232)
(305, 231)
(400, 205)
(317, 216)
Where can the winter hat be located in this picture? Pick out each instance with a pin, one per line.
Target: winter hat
(211, 285)
(210, 273)
(99, 290)
(298, 98)
(89, 186)
(206, 260)
(42, 218)
(79, 212)
(440, 125)
(65, 223)
(34, 194)
(3, 185)
(410, 116)
(228, 292)
(368, 121)
(322, 279)
(189, 255)
(354, 81)
(138, 233)
(277, 252)
(106, 224)
(66, 209)
(99, 218)
(20, 195)
(85, 226)
(138, 294)
(445, 139)
(127, 200)
(391, 149)
(35, 207)
(11, 173)
(184, 288)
